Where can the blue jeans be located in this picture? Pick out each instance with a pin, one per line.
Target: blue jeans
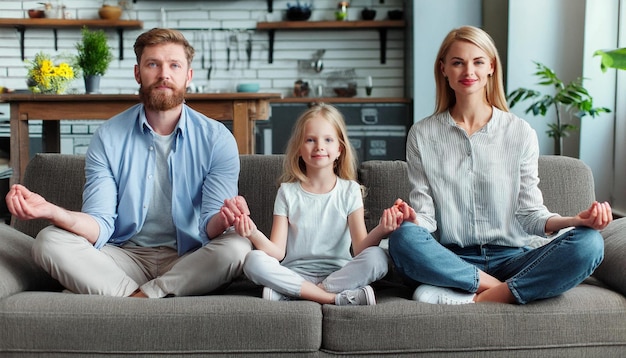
(531, 274)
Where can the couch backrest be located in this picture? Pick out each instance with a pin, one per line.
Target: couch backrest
(258, 183)
(567, 185)
(60, 179)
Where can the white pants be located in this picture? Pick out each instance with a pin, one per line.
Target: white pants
(158, 271)
(368, 266)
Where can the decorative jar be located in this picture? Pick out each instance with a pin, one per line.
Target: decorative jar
(342, 11)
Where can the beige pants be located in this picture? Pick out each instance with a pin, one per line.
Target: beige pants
(119, 271)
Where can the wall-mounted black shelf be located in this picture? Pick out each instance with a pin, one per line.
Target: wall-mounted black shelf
(382, 26)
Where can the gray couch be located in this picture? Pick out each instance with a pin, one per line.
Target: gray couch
(37, 319)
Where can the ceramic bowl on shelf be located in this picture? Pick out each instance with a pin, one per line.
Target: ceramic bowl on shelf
(395, 14)
(368, 14)
(110, 12)
(298, 13)
(248, 87)
(36, 13)
(349, 91)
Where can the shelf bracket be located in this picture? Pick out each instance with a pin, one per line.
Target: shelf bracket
(120, 35)
(270, 51)
(382, 34)
(56, 40)
(21, 30)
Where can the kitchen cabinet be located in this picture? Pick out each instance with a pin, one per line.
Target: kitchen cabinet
(22, 24)
(381, 25)
(377, 127)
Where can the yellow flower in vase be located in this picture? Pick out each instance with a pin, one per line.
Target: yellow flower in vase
(46, 77)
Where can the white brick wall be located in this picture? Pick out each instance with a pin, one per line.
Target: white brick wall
(345, 49)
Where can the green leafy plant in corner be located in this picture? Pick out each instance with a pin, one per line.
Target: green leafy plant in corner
(572, 97)
(94, 53)
(612, 59)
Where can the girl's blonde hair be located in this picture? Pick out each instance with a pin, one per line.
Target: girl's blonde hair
(494, 91)
(294, 168)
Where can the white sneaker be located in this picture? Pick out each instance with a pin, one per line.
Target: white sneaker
(271, 295)
(441, 295)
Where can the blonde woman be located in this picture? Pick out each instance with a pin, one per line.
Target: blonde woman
(474, 175)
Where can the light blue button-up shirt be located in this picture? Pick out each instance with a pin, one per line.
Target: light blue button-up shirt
(120, 168)
(478, 189)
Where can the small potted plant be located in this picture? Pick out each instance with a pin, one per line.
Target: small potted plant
(94, 57)
(572, 97)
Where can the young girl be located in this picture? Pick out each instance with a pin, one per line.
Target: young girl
(318, 213)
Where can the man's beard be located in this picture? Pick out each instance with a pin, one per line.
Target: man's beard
(158, 100)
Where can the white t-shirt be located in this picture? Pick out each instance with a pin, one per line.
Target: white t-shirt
(158, 228)
(318, 239)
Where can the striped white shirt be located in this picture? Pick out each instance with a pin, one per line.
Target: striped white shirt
(479, 189)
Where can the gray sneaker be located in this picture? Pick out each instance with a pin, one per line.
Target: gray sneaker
(360, 296)
(271, 295)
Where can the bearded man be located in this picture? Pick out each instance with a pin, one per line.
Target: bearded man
(158, 176)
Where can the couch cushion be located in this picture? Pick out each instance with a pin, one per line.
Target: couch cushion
(18, 271)
(586, 321)
(47, 322)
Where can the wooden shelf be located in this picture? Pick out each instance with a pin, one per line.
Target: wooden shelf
(341, 100)
(329, 25)
(381, 25)
(61, 23)
(22, 24)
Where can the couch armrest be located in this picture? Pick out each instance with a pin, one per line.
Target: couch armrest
(612, 270)
(18, 271)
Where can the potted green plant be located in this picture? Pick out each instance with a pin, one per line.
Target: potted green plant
(572, 97)
(94, 57)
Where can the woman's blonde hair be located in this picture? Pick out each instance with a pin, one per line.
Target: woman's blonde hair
(294, 168)
(494, 91)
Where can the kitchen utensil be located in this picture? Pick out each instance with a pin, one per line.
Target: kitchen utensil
(234, 41)
(201, 36)
(249, 48)
(211, 64)
(227, 41)
(318, 64)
